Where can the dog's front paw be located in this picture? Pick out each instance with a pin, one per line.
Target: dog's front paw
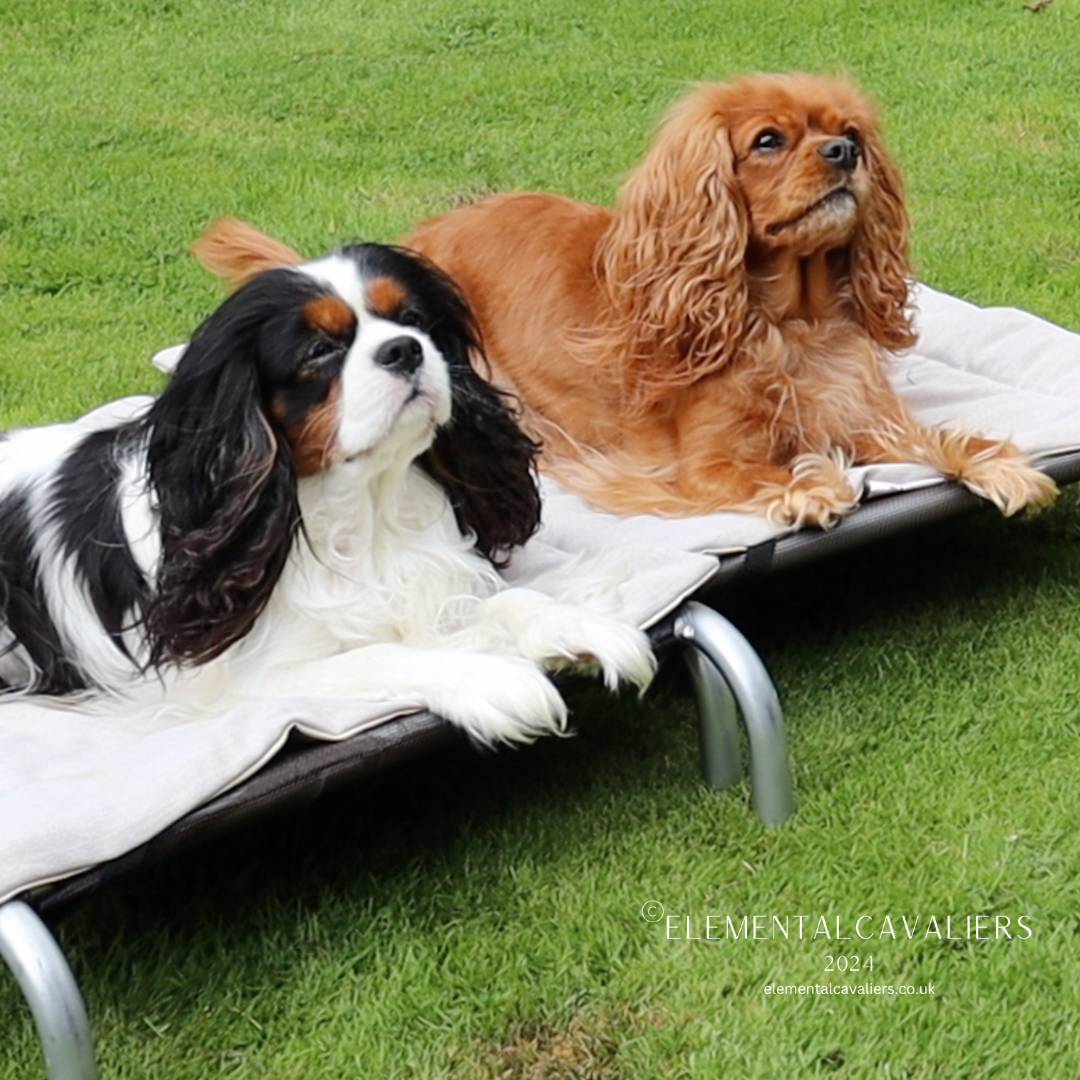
(817, 494)
(994, 470)
(1010, 482)
(568, 638)
(497, 699)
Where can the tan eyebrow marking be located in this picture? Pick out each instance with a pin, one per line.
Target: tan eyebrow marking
(331, 315)
(385, 296)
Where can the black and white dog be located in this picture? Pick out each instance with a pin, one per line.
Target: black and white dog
(317, 503)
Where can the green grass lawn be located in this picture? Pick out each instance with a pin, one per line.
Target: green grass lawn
(481, 915)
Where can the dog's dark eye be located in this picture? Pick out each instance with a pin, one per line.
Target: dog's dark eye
(852, 135)
(769, 140)
(320, 351)
(409, 316)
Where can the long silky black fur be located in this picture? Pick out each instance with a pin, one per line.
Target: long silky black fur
(225, 482)
(23, 606)
(482, 458)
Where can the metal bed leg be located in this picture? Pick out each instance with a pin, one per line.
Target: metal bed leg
(741, 669)
(721, 755)
(49, 987)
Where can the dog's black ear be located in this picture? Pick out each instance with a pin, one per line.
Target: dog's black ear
(486, 465)
(482, 459)
(225, 486)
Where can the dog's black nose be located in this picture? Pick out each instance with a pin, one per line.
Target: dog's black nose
(843, 153)
(402, 354)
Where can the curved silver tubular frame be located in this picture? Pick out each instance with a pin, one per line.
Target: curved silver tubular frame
(48, 985)
(718, 717)
(749, 685)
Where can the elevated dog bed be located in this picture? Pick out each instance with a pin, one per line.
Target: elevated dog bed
(82, 801)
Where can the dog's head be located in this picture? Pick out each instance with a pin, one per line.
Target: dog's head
(745, 169)
(359, 361)
(806, 157)
(348, 355)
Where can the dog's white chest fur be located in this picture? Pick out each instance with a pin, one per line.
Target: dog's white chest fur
(380, 561)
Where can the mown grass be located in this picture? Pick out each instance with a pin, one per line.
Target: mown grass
(480, 916)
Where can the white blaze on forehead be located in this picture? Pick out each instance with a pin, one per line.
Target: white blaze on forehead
(342, 276)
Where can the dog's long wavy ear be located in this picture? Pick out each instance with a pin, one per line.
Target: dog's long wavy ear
(880, 261)
(225, 486)
(482, 459)
(233, 250)
(673, 258)
(485, 463)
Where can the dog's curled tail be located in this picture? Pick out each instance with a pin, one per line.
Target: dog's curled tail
(233, 250)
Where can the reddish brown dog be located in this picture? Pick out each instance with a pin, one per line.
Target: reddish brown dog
(719, 339)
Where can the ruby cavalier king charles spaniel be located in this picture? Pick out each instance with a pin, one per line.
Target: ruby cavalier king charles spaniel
(720, 339)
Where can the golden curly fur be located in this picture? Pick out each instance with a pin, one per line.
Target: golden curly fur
(719, 339)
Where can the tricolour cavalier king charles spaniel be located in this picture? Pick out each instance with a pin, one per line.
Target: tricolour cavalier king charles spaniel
(316, 503)
(719, 339)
